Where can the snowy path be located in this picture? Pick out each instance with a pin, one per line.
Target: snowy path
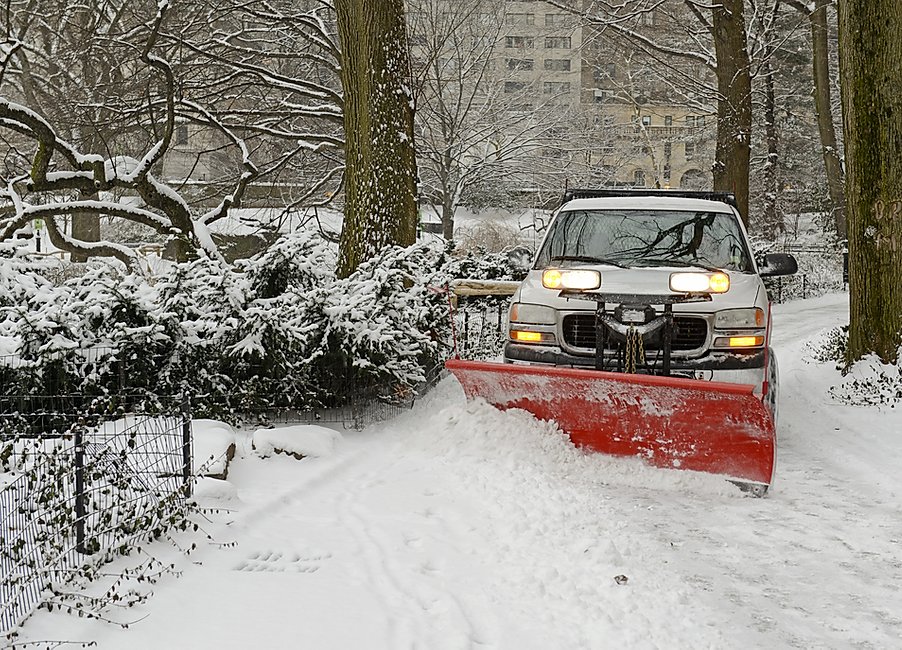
(457, 527)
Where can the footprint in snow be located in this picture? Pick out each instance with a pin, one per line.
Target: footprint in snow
(278, 562)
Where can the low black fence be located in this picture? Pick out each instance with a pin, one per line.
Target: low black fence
(821, 270)
(81, 479)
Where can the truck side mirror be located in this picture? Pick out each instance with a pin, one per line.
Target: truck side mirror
(778, 264)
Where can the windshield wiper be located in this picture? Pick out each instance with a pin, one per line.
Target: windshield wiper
(589, 259)
(680, 263)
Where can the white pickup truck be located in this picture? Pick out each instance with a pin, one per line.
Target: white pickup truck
(657, 282)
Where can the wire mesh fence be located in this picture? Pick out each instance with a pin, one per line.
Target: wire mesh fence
(821, 270)
(80, 481)
(481, 324)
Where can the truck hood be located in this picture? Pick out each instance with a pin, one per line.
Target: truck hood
(745, 289)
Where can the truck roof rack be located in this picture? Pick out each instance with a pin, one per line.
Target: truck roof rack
(584, 193)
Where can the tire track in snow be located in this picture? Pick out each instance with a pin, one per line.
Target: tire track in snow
(416, 609)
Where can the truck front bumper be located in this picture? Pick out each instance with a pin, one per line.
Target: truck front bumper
(731, 367)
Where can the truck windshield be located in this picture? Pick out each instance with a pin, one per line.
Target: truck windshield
(647, 238)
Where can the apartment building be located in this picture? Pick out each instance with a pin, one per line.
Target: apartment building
(643, 130)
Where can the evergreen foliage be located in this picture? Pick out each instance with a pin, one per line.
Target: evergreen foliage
(279, 330)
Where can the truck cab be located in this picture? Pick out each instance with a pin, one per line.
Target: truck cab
(657, 282)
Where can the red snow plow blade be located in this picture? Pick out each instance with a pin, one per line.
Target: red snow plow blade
(670, 422)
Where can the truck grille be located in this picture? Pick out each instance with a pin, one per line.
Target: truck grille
(689, 333)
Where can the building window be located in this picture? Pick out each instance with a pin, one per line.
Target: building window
(515, 86)
(668, 120)
(646, 120)
(667, 174)
(519, 42)
(668, 149)
(690, 150)
(647, 18)
(601, 96)
(557, 42)
(557, 65)
(639, 178)
(695, 120)
(555, 87)
(520, 64)
(181, 134)
(557, 20)
(519, 19)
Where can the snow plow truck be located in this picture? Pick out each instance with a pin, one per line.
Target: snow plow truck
(643, 329)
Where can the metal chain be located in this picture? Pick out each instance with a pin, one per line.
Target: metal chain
(635, 350)
(630, 364)
(641, 348)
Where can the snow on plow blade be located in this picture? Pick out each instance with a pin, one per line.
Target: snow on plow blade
(673, 422)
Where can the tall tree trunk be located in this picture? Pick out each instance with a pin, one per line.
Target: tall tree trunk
(773, 222)
(734, 107)
(380, 175)
(823, 107)
(870, 38)
(448, 193)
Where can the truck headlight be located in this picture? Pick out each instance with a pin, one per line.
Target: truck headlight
(700, 282)
(575, 279)
(522, 312)
(730, 319)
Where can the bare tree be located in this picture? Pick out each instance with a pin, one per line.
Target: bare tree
(257, 84)
(54, 178)
(485, 132)
(821, 72)
(713, 35)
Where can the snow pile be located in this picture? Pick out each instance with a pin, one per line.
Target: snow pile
(299, 441)
(214, 447)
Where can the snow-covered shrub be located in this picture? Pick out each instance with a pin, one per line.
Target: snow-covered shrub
(867, 382)
(870, 382)
(833, 347)
(275, 330)
(247, 332)
(382, 321)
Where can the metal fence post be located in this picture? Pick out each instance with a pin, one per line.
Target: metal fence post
(80, 510)
(186, 444)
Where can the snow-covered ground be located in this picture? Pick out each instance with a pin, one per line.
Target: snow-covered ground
(456, 526)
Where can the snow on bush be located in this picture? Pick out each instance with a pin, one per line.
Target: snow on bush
(299, 441)
(868, 381)
(278, 330)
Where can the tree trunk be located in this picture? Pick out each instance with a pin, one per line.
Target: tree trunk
(870, 37)
(448, 194)
(380, 175)
(824, 110)
(734, 107)
(85, 227)
(773, 222)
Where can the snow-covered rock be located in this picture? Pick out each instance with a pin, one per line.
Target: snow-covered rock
(299, 441)
(214, 448)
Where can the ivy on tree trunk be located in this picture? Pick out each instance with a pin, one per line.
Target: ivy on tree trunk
(870, 37)
(380, 175)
